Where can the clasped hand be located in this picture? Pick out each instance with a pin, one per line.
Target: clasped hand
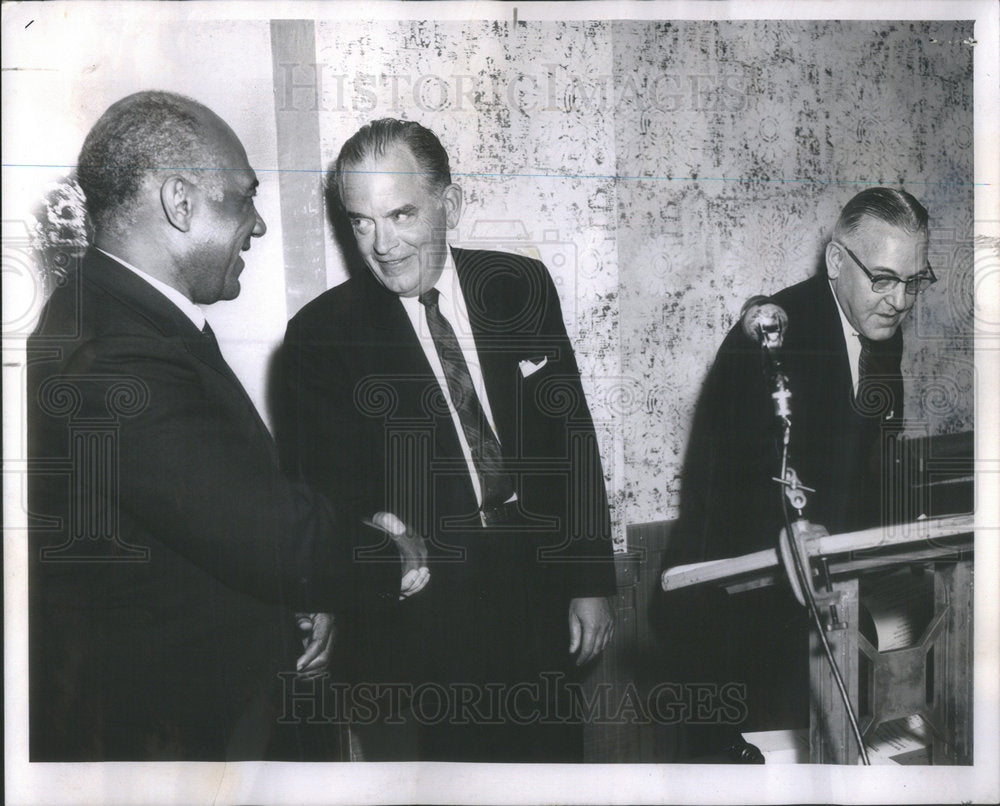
(320, 629)
(412, 551)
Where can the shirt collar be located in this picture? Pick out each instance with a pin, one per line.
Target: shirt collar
(447, 286)
(447, 283)
(852, 340)
(186, 306)
(845, 323)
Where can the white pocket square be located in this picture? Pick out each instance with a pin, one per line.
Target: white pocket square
(529, 368)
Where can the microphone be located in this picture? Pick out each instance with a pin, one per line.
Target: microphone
(764, 321)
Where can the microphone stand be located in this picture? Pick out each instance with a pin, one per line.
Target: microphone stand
(790, 546)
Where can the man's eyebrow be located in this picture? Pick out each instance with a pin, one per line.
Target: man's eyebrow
(405, 209)
(880, 272)
(251, 187)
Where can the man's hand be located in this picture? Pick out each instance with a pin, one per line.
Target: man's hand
(591, 626)
(320, 632)
(412, 551)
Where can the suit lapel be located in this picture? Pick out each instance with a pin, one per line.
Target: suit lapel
(392, 352)
(497, 357)
(167, 319)
(825, 348)
(826, 337)
(392, 345)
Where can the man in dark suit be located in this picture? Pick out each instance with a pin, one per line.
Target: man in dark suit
(841, 353)
(167, 548)
(442, 380)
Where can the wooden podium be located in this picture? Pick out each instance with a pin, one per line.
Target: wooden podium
(931, 677)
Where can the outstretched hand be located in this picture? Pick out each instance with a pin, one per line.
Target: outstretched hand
(412, 552)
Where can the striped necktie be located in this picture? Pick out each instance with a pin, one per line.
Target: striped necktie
(880, 389)
(494, 481)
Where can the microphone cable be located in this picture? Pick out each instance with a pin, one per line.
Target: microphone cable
(805, 584)
(764, 321)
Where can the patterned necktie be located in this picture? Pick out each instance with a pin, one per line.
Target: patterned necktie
(865, 362)
(879, 388)
(494, 481)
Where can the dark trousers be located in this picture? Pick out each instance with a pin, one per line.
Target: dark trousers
(486, 674)
(752, 647)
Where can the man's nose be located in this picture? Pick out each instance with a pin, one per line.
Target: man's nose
(385, 238)
(259, 227)
(899, 299)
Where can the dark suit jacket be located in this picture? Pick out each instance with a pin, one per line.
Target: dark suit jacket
(730, 506)
(167, 547)
(366, 418)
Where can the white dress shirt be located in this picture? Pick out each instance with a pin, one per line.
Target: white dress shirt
(852, 340)
(188, 308)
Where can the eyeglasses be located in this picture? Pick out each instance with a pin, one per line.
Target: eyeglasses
(886, 283)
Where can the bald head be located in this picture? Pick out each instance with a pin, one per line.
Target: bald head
(142, 139)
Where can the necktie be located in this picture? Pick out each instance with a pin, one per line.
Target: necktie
(494, 481)
(209, 335)
(220, 364)
(212, 343)
(865, 363)
(879, 389)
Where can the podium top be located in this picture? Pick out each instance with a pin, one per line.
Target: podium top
(906, 542)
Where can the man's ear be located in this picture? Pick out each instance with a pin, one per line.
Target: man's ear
(833, 258)
(452, 197)
(177, 201)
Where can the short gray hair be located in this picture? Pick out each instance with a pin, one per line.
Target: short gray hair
(374, 139)
(140, 134)
(895, 207)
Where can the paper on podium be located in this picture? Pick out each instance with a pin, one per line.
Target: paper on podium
(900, 605)
(901, 741)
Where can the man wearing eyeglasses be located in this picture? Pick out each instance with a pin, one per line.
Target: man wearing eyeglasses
(841, 352)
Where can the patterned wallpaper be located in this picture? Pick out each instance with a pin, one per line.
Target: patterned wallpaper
(664, 171)
(749, 137)
(537, 170)
(667, 171)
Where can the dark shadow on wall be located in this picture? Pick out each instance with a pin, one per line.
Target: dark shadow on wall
(343, 238)
(340, 230)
